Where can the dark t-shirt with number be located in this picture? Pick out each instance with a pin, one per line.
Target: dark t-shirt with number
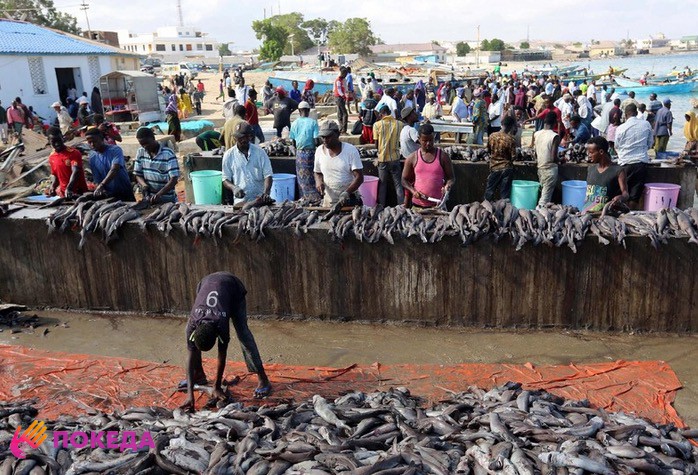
(218, 297)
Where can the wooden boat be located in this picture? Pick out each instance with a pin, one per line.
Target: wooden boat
(670, 88)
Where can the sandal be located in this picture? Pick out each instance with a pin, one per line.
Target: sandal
(262, 392)
(183, 384)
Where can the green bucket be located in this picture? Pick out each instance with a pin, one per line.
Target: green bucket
(208, 186)
(524, 194)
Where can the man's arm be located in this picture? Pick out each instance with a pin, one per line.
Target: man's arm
(320, 183)
(408, 177)
(73, 178)
(220, 369)
(356, 183)
(189, 403)
(267, 184)
(449, 176)
(107, 179)
(623, 183)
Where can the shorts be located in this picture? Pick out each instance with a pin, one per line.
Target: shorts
(636, 175)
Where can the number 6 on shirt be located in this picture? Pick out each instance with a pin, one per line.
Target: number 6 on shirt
(212, 299)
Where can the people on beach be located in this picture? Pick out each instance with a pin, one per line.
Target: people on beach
(67, 170)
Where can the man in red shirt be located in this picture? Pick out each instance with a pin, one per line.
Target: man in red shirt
(252, 114)
(550, 107)
(340, 97)
(66, 168)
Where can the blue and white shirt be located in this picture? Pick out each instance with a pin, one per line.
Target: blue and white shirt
(247, 172)
(157, 170)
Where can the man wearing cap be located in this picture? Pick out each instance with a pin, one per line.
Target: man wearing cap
(108, 168)
(156, 168)
(239, 115)
(282, 107)
(662, 127)
(247, 169)
(305, 134)
(67, 171)
(338, 168)
(63, 119)
(632, 141)
(386, 134)
(340, 93)
(409, 138)
(432, 109)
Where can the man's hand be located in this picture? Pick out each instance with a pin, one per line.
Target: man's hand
(320, 189)
(69, 194)
(265, 198)
(420, 195)
(50, 192)
(99, 191)
(238, 192)
(344, 197)
(188, 405)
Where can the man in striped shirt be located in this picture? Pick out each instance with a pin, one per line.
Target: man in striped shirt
(156, 168)
(386, 134)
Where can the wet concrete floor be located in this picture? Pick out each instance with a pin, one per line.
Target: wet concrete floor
(161, 339)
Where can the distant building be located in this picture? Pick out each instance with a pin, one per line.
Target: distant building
(110, 38)
(39, 64)
(605, 49)
(659, 41)
(409, 52)
(691, 42)
(171, 43)
(526, 55)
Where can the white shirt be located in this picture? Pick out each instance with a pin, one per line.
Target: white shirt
(229, 107)
(409, 141)
(241, 94)
(591, 92)
(584, 107)
(495, 111)
(601, 122)
(337, 171)
(247, 172)
(633, 139)
(566, 110)
(459, 110)
(387, 101)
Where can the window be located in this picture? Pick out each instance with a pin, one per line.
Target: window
(181, 47)
(188, 47)
(209, 47)
(199, 47)
(173, 47)
(36, 70)
(159, 47)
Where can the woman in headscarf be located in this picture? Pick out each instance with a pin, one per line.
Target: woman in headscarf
(690, 131)
(174, 127)
(96, 101)
(420, 96)
(184, 103)
(308, 95)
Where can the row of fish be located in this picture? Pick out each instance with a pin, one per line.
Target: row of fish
(481, 154)
(506, 430)
(553, 224)
(279, 148)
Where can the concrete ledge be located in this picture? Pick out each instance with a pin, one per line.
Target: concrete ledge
(486, 284)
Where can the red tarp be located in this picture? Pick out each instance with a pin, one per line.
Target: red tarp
(71, 383)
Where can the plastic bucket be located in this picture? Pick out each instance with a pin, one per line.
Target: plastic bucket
(208, 186)
(369, 190)
(283, 187)
(574, 193)
(661, 195)
(524, 194)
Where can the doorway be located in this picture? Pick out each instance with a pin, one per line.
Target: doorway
(68, 78)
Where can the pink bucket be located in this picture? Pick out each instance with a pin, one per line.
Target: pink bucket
(661, 195)
(369, 190)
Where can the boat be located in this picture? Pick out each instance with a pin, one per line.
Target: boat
(324, 81)
(625, 82)
(670, 88)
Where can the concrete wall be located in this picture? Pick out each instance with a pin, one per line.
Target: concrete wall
(485, 285)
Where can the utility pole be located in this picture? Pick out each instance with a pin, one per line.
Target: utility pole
(179, 12)
(84, 7)
(478, 46)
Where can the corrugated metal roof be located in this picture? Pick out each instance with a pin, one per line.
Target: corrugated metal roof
(17, 37)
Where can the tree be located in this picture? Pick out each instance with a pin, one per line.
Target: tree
(319, 29)
(273, 39)
(462, 48)
(353, 36)
(525, 45)
(41, 12)
(495, 44)
(224, 50)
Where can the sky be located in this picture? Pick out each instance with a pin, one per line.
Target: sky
(408, 21)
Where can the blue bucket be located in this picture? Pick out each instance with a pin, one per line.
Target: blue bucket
(524, 194)
(283, 187)
(574, 193)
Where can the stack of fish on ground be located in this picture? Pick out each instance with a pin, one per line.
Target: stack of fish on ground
(365, 152)
(211, 222)
(552, 224)
(481, 154)
(576, 153)
(279, 148)
(94, 216)
(506, 430)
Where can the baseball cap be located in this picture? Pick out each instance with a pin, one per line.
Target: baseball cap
(304, 105)
(243, 129)
(56, 104)
(406, 112)
(328, 128)
(667, 102)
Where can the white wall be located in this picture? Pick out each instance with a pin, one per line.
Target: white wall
(15, 79)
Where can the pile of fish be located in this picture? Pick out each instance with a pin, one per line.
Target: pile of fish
(94, 216)
(210, 223)
(553, 224)
(279, 148)
(368, 152)
(576, 154)
(506, 430)
(478, 154)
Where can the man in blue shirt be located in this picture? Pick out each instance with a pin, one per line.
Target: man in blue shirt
(247, 169)
(156, 168)
(294, 94)
(662, 127)
(108, 168)
(582, 134)
(305, 132)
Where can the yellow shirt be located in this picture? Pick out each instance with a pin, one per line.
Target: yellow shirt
(386, 134)
(229, 130)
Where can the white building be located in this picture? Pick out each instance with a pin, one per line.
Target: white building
(39, 64)
(171, 43)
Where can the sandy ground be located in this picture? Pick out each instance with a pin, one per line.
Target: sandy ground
(161, 339)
